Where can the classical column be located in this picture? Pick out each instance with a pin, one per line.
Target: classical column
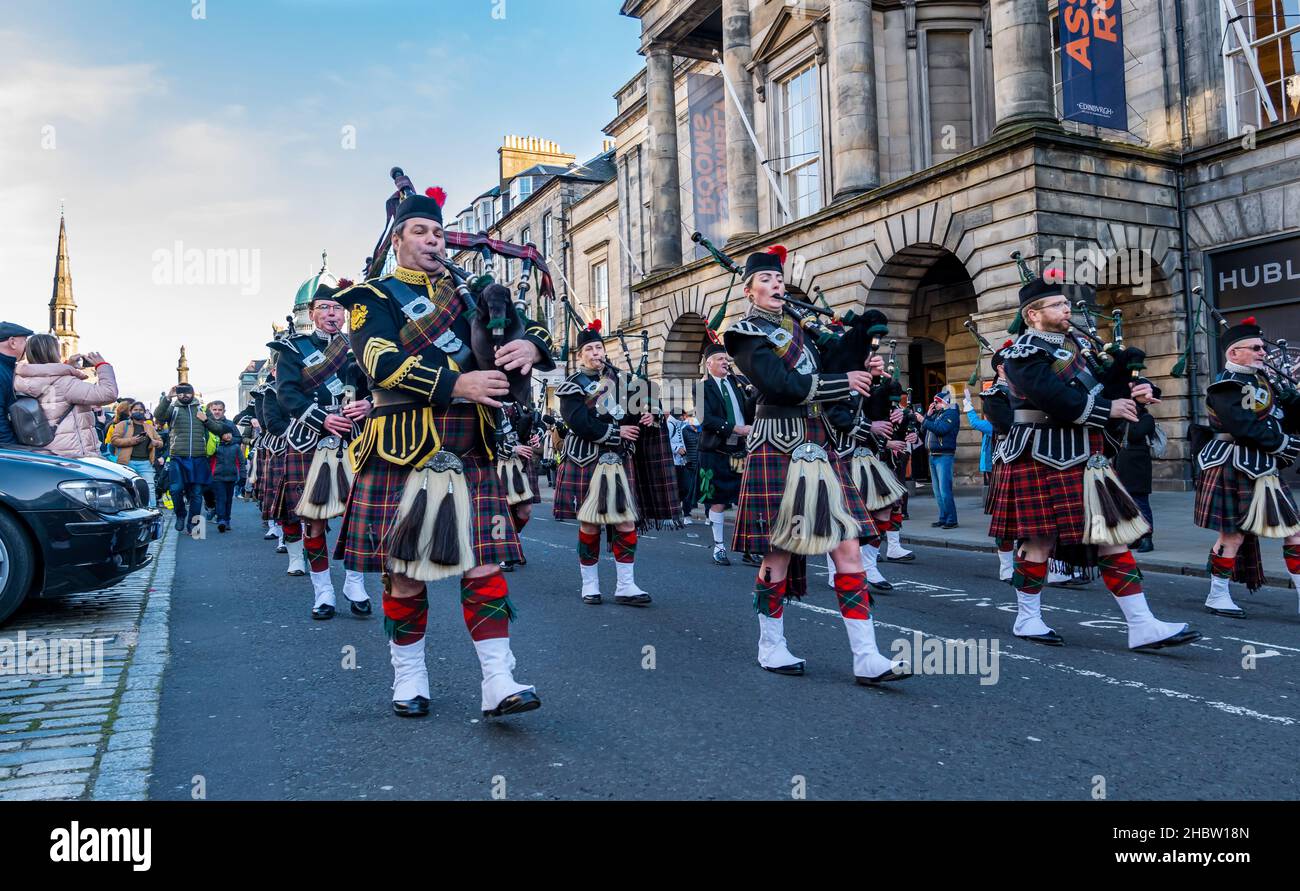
(665, 189)
(742, 164)
(855, 152)
(1022, 63)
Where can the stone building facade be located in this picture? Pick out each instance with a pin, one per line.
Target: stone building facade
(918, 143)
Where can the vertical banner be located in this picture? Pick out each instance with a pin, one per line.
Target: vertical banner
(1092, 63)
(708, 133)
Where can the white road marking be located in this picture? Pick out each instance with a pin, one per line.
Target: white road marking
(1260, 643)
(1240, 711)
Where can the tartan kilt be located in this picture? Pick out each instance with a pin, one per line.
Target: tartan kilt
(1032, 500)
(269, 480)
(377, 491)
(291, 483)
(719, 484)
(571, 482)
(1223, 496)
(530, 471)
(655, 482)
(763, 485)
(990, 493)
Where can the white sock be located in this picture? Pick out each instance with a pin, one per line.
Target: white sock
(715, 520)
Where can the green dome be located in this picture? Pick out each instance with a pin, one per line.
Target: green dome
(307, 289)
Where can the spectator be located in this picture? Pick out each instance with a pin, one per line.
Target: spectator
(691, 439)
(940, 426)
(216, 410)
(676, 424)
(188, 468)
(988, 437)
(228, 467)
(67, 398)
(1133, 467)
(137, 442)
(160, 481)
(13, 343)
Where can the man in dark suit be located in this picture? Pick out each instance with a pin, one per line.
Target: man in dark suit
(728, 414)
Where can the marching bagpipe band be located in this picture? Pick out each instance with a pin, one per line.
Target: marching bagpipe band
(430, 537)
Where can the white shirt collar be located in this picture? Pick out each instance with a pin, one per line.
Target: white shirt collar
(1050, 336)
(1238, 369)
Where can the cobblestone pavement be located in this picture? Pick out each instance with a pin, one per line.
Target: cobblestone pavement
(86, 731)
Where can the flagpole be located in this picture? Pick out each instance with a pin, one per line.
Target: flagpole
(762, 158)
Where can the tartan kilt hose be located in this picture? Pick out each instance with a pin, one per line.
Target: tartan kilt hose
(291, 483)
(269, 479)
(377, 491)
(1223, 496)
(763, 485)
(571, 482)
(1032, 500)
(719, 484)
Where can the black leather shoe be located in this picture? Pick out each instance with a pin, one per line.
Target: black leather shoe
(222, 527)
(891, 675)
(1226, 613)
(937, 523)
(591, 599)
(506, 566)
(1186, 636)
(880, 586)
(635, 600)
(720, 557)
(948, 526)
(180, 523)
(360, 607)
(282, 549)
(324, 611)
(523, 701)
(793, 670)
(411, 708)
(1051, 639)
(751, 559)
(906, 558)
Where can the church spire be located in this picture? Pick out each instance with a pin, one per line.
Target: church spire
(63, 308)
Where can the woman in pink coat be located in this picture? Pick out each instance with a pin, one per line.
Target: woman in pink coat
(66, 396)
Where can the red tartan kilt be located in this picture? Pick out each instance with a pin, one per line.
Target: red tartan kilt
(530, 471)
(763, 485)
(991, 492)
(1033, 500)
(1223, 496)
(290, 484)
(269, 481)
(377, 491)
(571, 483)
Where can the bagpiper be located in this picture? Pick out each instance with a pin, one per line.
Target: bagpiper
(595, 484)
(1239, 493)
(427, 503)
(864, 439)
(522, 475)
(317, 389)
(996, 399)
(271, 468)
(796, 499)
(1056, 492)
(728, 417)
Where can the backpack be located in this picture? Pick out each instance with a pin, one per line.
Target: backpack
(31, 427)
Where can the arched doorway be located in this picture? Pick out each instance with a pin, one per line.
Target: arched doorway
(680, 362)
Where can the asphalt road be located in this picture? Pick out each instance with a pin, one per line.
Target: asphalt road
(257, 701)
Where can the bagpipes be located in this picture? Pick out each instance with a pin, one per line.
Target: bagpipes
(429, 538)
(1111, 516)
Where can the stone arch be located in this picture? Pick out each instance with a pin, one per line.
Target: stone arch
(683, 347)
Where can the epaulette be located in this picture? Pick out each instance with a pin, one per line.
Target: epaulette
(569, 388)
(749, 328)
(1026, 345)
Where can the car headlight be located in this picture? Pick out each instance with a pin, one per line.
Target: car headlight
(98, 495)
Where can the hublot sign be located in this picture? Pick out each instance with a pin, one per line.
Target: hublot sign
(1258, 274)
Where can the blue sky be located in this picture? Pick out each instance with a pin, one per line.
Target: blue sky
(266, 128)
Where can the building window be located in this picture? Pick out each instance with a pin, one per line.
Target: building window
(600, 289)
(546, 235)
(800, 152)
(526, 235)
(948, 98)
(520, 188)
(1273, 30)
